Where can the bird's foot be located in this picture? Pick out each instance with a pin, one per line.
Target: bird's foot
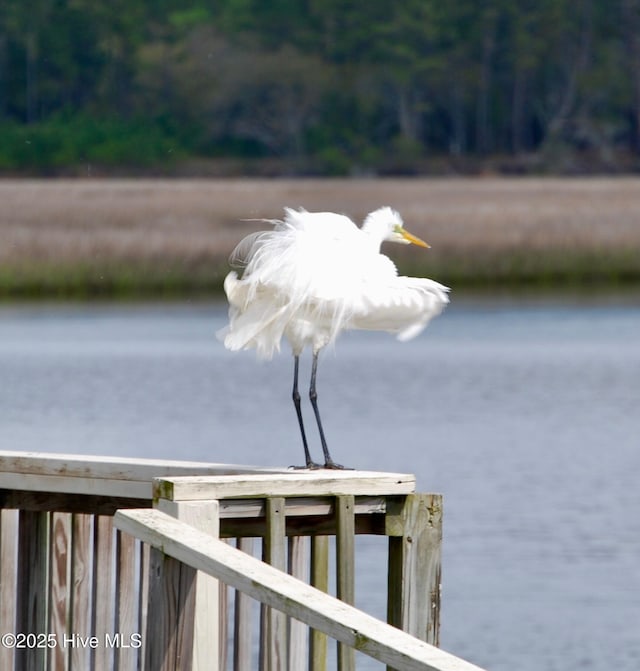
(311, 466)
(330, 464)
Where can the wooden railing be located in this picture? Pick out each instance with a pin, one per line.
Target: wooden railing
(293, 515)
(284, 594)
(78, 592)
(73, 590)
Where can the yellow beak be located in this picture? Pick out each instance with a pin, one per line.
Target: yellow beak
(413, 239)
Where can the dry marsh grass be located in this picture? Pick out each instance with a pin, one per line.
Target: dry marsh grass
(129, 236)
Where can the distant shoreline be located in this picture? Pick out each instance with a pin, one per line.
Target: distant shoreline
(160, 238)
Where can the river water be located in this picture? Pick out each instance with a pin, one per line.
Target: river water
(524, 414)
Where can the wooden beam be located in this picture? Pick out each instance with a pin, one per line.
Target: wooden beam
(292, 483)
(300, 526)
(169, 636)
(302, 506)
(274, 622)
(279, 590)
(113, 468)
(318, 643)
(345, 569)
(243, 625)
(75, 485)
(63, 502)
(415, 530)
(202, 515)
(104, 476)
(298, 567)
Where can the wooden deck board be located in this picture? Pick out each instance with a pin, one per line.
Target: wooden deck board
(294, 483)
(115, 468)
(95, 475)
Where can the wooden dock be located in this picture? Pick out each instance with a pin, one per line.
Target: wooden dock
(131, 564)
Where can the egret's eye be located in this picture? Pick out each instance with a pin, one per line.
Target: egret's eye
(398, 229)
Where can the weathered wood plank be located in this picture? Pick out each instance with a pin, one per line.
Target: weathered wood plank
(143, 597)
(81, 588)
(100, 476)
(59, 602)
(202, 515)
(186, 611)
(243, 623)
(238, 517)
(169, 636)
(8, 568)
(293, 483)
(114, 468)
(345, 569)
(301, 526)
(33, 577)
(318, 643)
(64, 502)
(298, 568)
(126, 606)
(103, 591)
(274, 622)
(415, 566)
(222, 623)
(303, 506)
(74, 485)
(229, 508)
(261, 581)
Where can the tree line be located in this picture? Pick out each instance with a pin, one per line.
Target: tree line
(320, 86)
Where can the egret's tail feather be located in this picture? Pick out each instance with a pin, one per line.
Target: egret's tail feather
(259, 326)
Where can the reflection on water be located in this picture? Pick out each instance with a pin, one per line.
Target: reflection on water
(524, 416)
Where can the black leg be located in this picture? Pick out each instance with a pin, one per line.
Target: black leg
(296, 401)
(313, 396)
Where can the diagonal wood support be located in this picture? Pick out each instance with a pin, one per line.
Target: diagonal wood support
(283, 592)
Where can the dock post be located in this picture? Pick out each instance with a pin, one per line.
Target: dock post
(414, 527)
(207, 649)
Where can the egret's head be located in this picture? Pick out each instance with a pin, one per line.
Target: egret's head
(388, 224)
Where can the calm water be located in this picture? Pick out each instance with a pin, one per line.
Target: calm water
(525, 416)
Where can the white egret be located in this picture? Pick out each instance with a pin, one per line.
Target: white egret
(314, 275)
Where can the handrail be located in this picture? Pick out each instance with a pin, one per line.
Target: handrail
(286, 594)
(100, 475)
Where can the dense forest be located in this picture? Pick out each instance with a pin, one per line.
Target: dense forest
(319, 86)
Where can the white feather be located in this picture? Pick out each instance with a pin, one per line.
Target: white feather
(316, 274)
